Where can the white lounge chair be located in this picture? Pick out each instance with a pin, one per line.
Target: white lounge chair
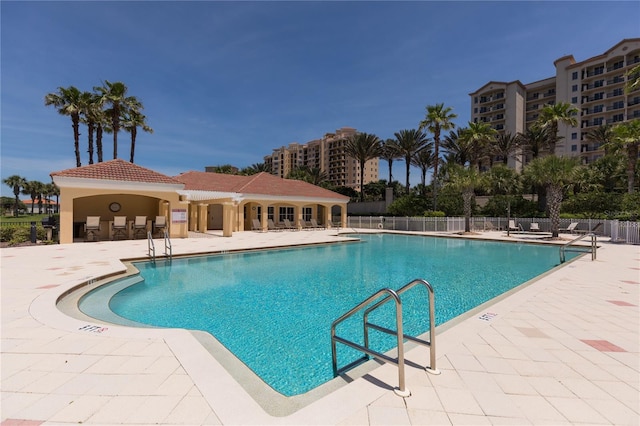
(256, 225)
(513, 226)
(289, 225)
(140, 227)
(315, 225)
(119, 227)
(271, 226)
(92, 227)
(534, 227)
(569, 229)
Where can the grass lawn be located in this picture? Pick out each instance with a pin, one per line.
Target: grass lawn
(24, 218)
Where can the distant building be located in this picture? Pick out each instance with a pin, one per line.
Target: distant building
(326, 154)
(595, 86)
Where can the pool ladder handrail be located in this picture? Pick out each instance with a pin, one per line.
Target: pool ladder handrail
(399, 361)
(580, 249)
(151, 246)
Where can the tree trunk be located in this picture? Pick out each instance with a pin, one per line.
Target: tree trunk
(632, 159)
(90, 130)
(76, 137)
(133, 143)
(436, 162)
(99, 142)
(466, 198)
(554, 199)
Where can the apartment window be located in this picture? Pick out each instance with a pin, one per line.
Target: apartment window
(598, 83)
(574, 148)
(574, 88)
(618, 117)
(475, 110)
(574, 100)
(475, 100)
(306, 213)
(598, 70)
(574, 76)
(617, 92)
(597, 121)
(598, 108)
(285, 213)
(270, 213)
(618, 105)
(598, 96)
(574, 135)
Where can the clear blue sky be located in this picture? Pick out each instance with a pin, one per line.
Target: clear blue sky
(226, 82)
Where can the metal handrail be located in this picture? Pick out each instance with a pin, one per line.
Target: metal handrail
(580, 249)
(151, 247)
(402, 391)
(168, 250)
(432, 323)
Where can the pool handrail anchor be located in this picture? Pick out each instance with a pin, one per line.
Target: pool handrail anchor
(431, 344)
(168, 249)
(593, 247)
(151, 246)
(401, 390)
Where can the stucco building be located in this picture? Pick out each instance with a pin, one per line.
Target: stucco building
(191, 201)
(595, 86)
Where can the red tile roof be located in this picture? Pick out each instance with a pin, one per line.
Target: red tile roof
(259, 184)
(118, 170)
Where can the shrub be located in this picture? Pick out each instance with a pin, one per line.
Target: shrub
(409, 205)
(434, 213)
(520, 207)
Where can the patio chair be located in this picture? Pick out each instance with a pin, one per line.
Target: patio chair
(271, 226)
(569, 229)
(140, 226)
(119, 227)
(92, 227)
(534, 227)
(160, 224)
(305, 225)
(256, 225)
(593, 230)
(315, 225)
(289, 225)
(513, 226)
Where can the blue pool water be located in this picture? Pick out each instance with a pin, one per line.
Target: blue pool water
(274, 309)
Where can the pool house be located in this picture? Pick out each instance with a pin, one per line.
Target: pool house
(118, 191)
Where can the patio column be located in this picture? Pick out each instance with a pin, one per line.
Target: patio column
(297, 216)
(193, 217)
(202, 217)
(228, 219)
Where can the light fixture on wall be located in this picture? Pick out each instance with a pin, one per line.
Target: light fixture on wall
(114, 207)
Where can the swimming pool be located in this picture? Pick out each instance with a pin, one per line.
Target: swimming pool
(273, 309)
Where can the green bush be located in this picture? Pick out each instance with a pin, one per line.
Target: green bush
(434, 213)
(520, 207)
(593, 205)
(409, 205)
(21, 234)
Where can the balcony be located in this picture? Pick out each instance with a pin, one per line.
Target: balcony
(616, 80)
(634, 101)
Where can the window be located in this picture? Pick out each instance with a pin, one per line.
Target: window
(475, 110)
(574, 135)
(618, 105)
(574, 76)
(618, 117)
(597, 121)
(574, 148)
(270, 213)
(574, 88)
(285, 213)
(598, 108)
(306, 213)
(617, 92)
(598, 96)
(598, 70)
(574, 100)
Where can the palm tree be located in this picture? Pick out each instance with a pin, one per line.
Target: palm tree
(478, 135)
(16, 183)
(408, 142)
(554, 174)
(502, 180)
(68, 102)
(437, 119)
(133, 119)
(534, 141)
(602, 136)
(34, 189)
(627, 138)
(633, 79)
(465, 180)
(91, 111)
(503, 146)
(551, 115)
(456, 146)
(113, 94)
(363, 147)
(390, 153)
(255, 169)
(423, 159)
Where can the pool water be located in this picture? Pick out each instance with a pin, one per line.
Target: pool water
(273, 309)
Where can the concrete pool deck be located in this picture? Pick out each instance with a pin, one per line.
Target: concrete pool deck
(562, 350)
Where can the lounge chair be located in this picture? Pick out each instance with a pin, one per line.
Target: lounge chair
(289, 225)
(305, 225)
(593, 230)
(160, 224)
(140, 227)
(92, 227)
(569, 229)
(315, 225)
(119, 227)
(256, 225)
(271, 226)
(534, 227)
(334, 225)
(514, 227)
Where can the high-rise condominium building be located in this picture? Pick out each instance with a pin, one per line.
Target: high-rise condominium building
(594, 86)
(326, 154)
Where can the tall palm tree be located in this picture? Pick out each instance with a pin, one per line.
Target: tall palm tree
(555, 174)
(465, 180)
(16, 183)
(456, 146)
(68, 102)
(551, 115)
(133, 119)
(363, 147)
(115, 95)
(503, 146)
(437, 119)
(502, 180)
(627, 138)
(479, 136)
(34, 189)
(423, 160)
(408, 142)
(91, 111)
(633, 79)
(390, 153)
